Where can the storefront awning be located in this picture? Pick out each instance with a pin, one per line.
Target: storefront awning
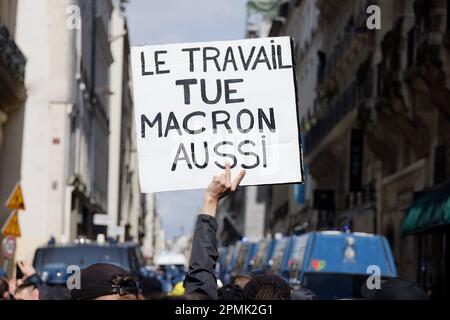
(430, 210)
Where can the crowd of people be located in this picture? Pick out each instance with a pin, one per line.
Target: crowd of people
(103, 281)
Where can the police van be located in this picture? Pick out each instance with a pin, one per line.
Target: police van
(54, 263)
(333, 264)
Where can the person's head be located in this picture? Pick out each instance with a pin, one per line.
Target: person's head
(241, 281)
(151, 288)
(231, 292)
(394, 289)
(27, 292)
(4, 288)
(303, 294)
(267, 287)
(102, 281)
(54, 292)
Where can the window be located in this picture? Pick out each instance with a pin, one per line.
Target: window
(448, 16)
(411, 47)
(3, 12)
(440, 163)
(380, 79)
(322, 65)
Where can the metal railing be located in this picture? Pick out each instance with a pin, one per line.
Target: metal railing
(11, 56)
(345, 103)
(352, 29)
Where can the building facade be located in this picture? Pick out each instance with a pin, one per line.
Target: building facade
(65, 138)
(241, 216)
(125, 207)
(374, 113)
(149, 214)
(159, 236)
(78, 157)
(12, 100)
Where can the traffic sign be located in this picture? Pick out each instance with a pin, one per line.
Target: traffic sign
(9, 247)
(11, 226)
(15, 199)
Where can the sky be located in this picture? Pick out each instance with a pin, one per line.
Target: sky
(178, 21)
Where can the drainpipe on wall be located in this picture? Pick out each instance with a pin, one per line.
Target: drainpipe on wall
(67, 215)
(72, 106)
(3, 118)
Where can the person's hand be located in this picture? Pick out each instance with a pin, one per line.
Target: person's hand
(12, 285)
(26, 268)
(220, 186)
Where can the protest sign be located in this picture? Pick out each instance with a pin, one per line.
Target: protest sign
(199, 105)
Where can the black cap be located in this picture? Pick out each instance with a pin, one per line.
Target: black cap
(103, 279)
(394, 289)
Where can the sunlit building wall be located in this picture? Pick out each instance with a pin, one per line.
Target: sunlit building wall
(64, 167)
(12, 100)
(125, 210)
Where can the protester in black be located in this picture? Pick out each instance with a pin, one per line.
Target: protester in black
(151, 288)
(394, 289)
(201, 278)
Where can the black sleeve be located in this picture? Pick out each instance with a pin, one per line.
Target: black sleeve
(201, 277)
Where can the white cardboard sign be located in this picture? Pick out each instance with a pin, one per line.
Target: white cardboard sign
(199, 105)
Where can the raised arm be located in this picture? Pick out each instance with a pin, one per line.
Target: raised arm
(200, 277)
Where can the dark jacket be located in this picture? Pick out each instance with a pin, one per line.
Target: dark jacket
(201, 278)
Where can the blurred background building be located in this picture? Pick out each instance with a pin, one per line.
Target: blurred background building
(13, 94)
(241, 216)
(181, 244)
(123, 185)
(12, 98)
(260, 14)
(375, 118)
(154, 240)
(67, 124)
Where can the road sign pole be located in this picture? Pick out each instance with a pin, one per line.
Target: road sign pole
(6, 264)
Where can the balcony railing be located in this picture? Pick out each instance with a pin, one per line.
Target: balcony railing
(354, 35)
(423, 45)
(354, 29)
(350, 99)
(11, 56)
(389, 68)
